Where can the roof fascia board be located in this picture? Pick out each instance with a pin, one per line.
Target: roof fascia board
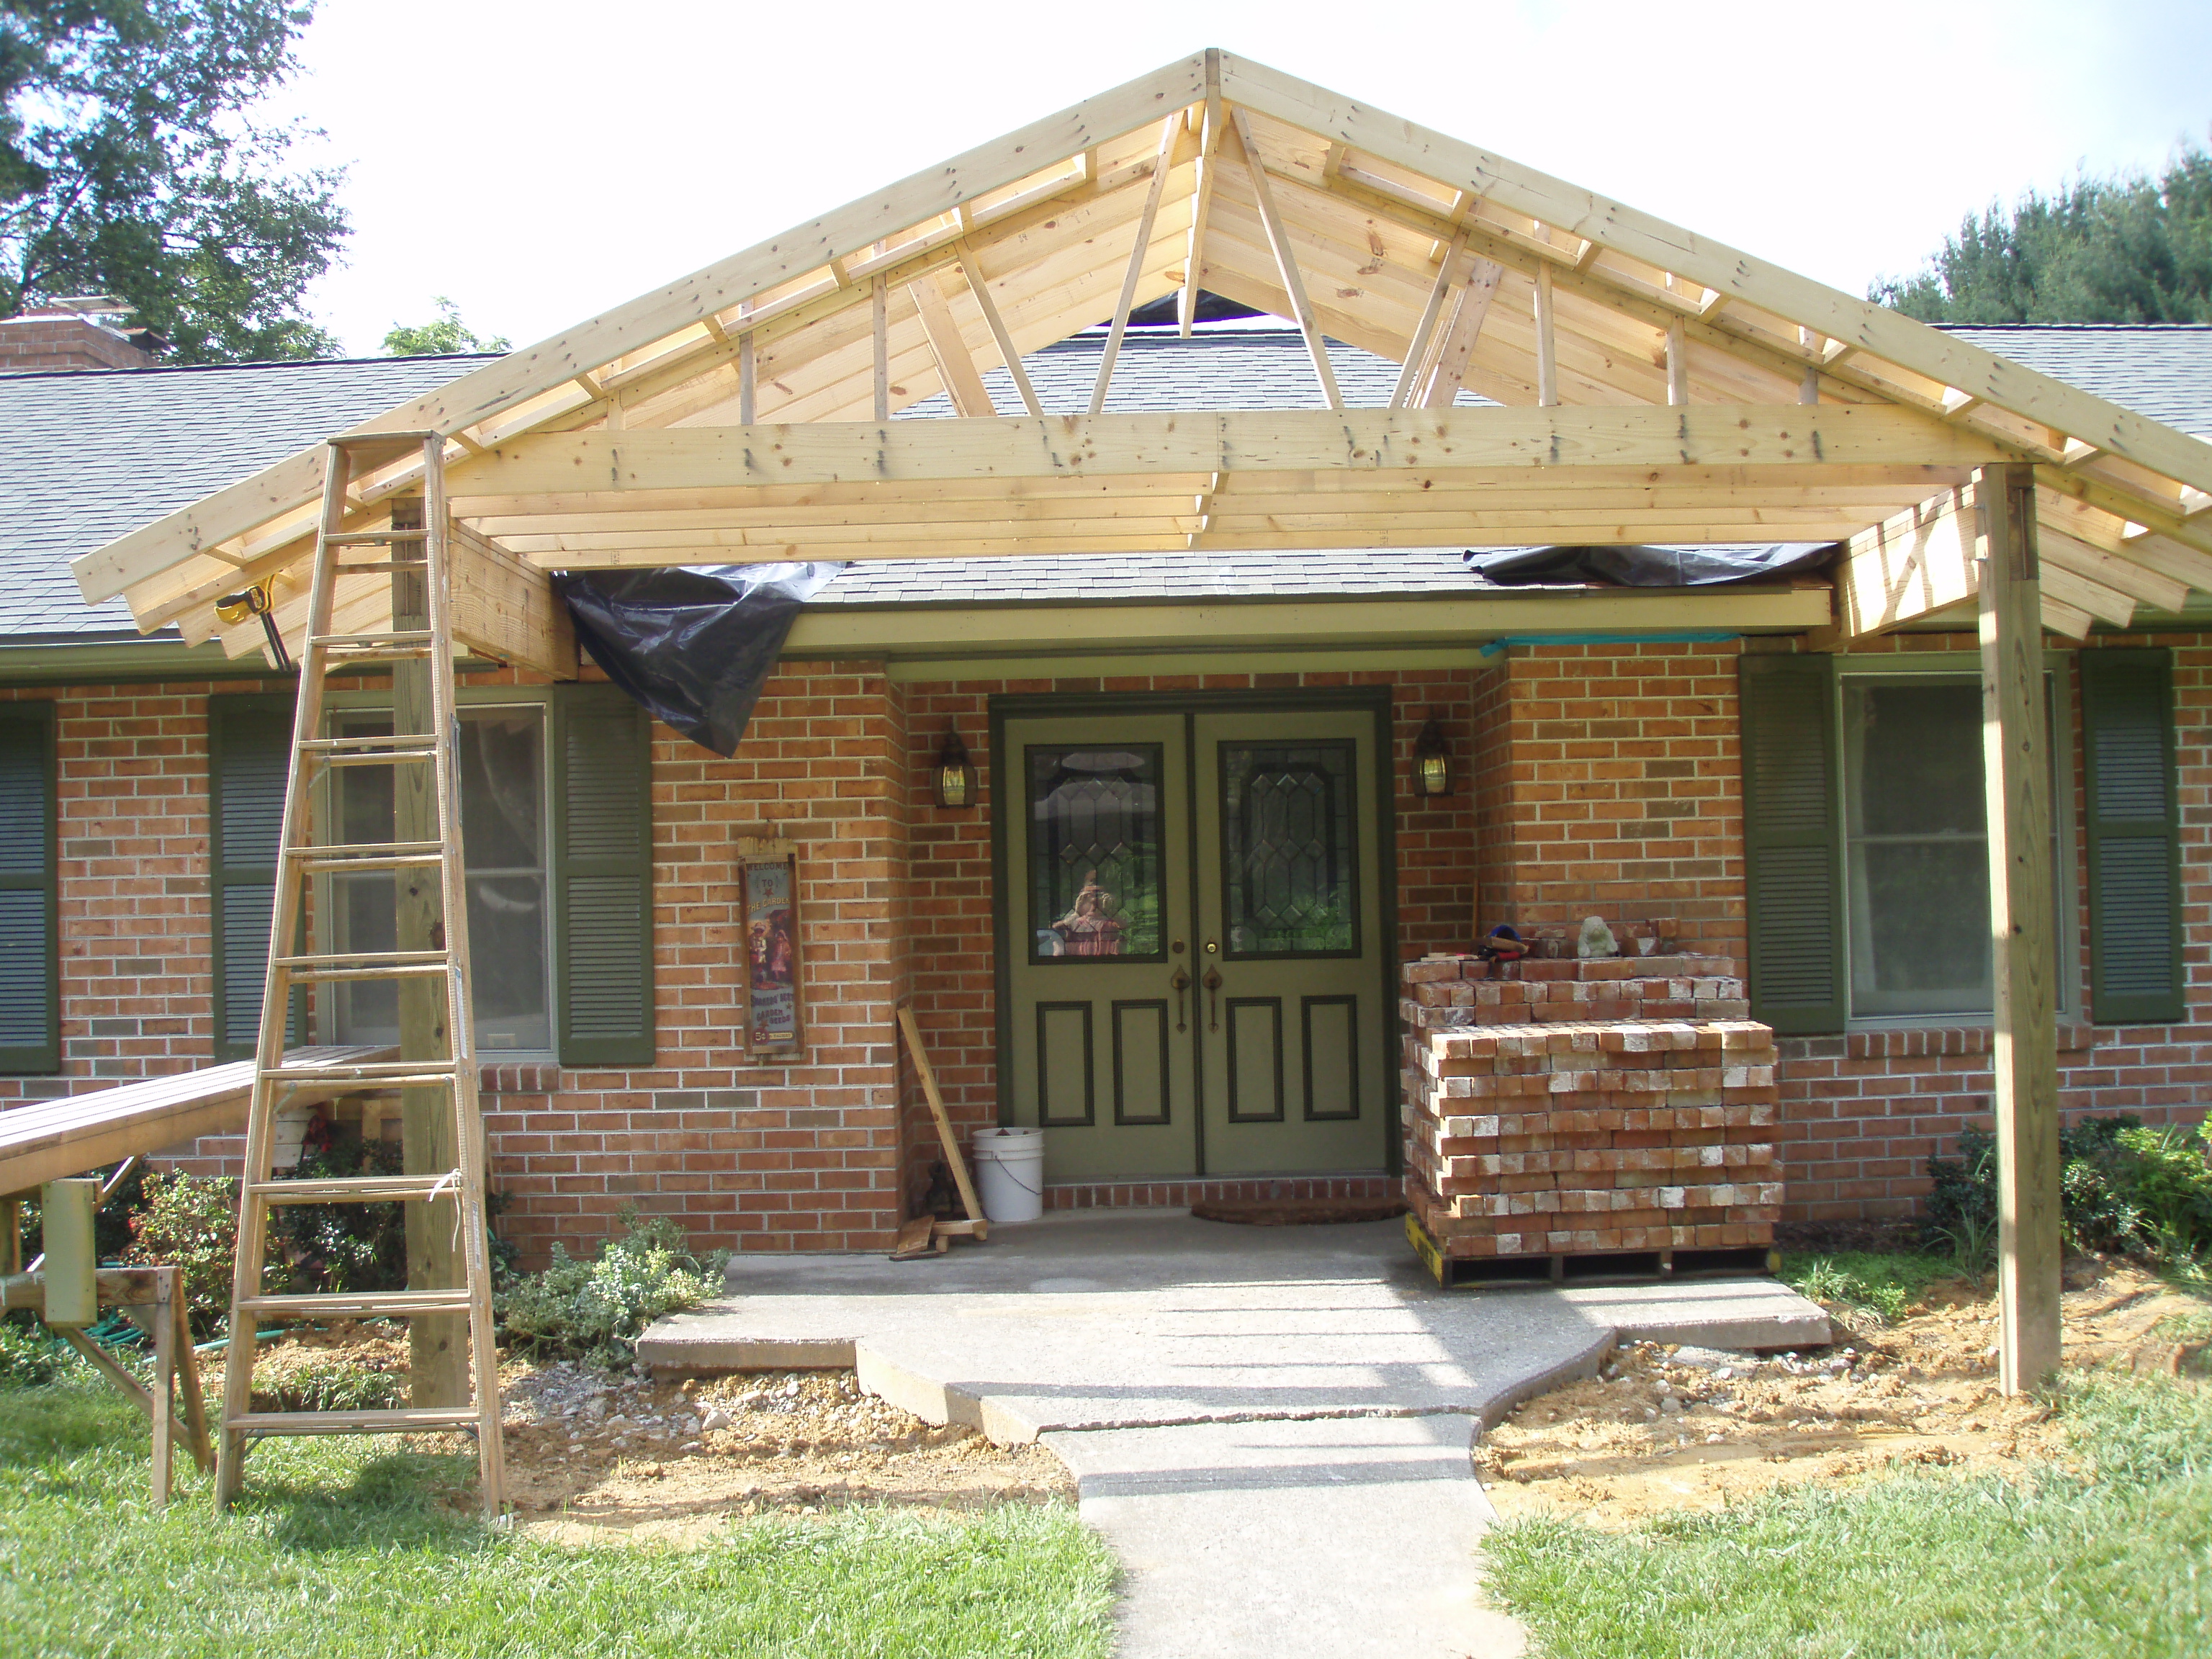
(1205, 624)
(501, 385)
(1838, 316)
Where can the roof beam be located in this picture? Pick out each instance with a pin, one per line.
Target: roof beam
(1841, 317)
(1470, 308)
(1372, 441)
(1201, 192)
(1278, 240)
(1417, 349)
(980, 290)
(1137, 251)
(955, 367)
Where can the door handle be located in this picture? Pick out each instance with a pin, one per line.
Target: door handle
(1213, 983)
(1179, 984)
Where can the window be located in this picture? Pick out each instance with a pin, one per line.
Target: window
(1916, 842)
(1094, 852)
(502, 765)
(1866, 843)
(557, 845)
(30, 1014)
(1288, 858)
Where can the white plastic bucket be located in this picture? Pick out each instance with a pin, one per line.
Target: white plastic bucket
(1010, 1174)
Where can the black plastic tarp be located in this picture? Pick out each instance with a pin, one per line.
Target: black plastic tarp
(693, 644)
(1649, 567)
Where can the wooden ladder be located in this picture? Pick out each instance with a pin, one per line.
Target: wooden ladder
(418, 562)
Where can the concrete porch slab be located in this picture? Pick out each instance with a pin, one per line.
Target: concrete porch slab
(1150, 1318)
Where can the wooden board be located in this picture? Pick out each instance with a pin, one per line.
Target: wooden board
(977, 1226)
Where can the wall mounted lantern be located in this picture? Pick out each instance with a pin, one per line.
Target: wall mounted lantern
(1432, 761)
(955, 778)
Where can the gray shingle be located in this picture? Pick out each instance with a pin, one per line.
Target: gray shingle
(87, 456)
(2163, 370)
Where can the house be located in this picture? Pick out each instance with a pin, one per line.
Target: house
(1191, 601)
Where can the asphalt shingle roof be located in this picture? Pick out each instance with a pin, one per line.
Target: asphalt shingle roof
(85, 457)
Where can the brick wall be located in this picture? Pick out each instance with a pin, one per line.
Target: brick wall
(1612, 788)
(28, 344)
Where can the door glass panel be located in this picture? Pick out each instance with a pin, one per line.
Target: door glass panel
(1288, 854)
(1095, 851)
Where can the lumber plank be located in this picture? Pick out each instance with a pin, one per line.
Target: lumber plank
(507, 609)
(1138, 253)
(1201, 192)
(978, 1225)
(1286, 264)
(2017, 780)
(955, 366)
(1009, 353)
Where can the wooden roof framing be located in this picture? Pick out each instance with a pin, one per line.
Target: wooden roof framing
(1658, 385)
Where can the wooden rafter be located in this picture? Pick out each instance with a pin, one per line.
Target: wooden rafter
(1169, 129)
(1286, 264)
(955, 366)
(1211, 116)
(1008, 354)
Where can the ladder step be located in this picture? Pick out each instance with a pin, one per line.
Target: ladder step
(376, 636)
(368, 849)
(366, 537)
(362, 745)
(309, 861)
(381, 568)
(358, 1304)
(401, 1421)
(398, 1071)
(357, 1189)
(366, 959)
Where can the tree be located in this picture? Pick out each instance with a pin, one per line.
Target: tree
(2128, 249)
(443, 336)
(131, 165)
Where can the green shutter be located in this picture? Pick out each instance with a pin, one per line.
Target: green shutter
(30, 937)
(1793, 860)
(249, 750)
(602, 876)
(2135, 973)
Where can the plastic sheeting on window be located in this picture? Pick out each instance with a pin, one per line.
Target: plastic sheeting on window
(694, 644)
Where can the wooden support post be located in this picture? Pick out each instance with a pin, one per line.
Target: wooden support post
(1547, 361)
(1135, 269)
(1202, 194)
(748, 381)
(2016, 774)
(1286, 265)
(438, 1343)
(1403, 395)
(1678, 366)
(880, 315)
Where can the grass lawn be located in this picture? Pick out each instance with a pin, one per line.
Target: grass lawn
(1885, 1282)
(2112, 1559)
(352, 1547)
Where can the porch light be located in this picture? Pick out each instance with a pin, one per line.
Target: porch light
(1432, 761)
(956, 779)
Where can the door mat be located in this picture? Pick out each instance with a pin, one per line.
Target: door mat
(1296, 1212)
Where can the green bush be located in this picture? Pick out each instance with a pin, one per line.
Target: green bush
(190, 1221)
(342, 1247)
(2123, 1189)
(1881, 1287)
(595, 1310)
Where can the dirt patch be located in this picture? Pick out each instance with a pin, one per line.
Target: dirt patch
(1668, 1428)
(592, 1457)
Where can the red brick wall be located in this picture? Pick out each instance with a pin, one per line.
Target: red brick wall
(31, 343)
(1619, 793)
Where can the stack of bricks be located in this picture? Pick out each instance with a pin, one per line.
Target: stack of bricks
(1621, 1104)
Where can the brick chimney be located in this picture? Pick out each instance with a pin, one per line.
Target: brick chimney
(85, 331)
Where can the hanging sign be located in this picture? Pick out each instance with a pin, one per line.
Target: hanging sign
(768, 902)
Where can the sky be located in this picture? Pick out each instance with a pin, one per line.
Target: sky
(538, 162)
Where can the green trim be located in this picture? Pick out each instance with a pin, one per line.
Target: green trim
(610, 734)
(2127, 711)
(1792, 843)
(32, 724)
(105, 661)
(227, 713)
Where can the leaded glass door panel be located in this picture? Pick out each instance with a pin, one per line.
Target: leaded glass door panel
(1099, 870)
(1292, 1058)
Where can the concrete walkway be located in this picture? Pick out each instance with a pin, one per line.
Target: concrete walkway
(1272, 1424)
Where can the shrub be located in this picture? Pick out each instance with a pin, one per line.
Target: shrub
(2122, 1187)
(344, 1247)
(596, 1310)
(190, 1221)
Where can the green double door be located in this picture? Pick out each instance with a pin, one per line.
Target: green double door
(1196, 942)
